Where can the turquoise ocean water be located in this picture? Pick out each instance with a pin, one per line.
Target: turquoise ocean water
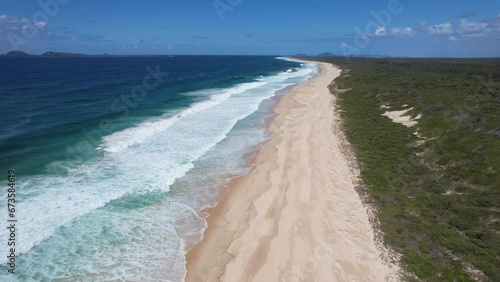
(116, 157)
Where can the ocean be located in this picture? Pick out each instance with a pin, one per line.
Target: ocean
(116, 157)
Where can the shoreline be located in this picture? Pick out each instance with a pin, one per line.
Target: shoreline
(211, 212)
(267, 226)
(249, 158)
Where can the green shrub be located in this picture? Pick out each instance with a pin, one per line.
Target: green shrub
(445, 191)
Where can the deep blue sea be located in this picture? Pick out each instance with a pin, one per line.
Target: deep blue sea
(116, 157)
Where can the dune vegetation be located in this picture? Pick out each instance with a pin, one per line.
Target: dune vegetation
(435, 185)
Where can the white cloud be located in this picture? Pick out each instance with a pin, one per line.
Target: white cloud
(41, 24)
(407, 31)
(465, 29)
(473, 29)
(380, 31)
(488, 28)
(13, 24)
(13, 20)
(439, 29)
(494, 24)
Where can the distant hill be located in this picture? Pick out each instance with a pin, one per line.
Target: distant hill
(62, 54)
(328, 54)
(374, 56)
(17, 54)
(52, 54)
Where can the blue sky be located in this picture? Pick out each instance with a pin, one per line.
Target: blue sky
(418, 28)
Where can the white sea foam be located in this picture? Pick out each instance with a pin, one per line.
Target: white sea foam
(136, 135)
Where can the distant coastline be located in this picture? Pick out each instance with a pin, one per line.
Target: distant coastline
(52, 54)
(17, 53)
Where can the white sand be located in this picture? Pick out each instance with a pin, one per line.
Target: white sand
(296, 216)
(402, 117)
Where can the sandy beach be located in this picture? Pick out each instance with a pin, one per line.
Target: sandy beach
(296, 216)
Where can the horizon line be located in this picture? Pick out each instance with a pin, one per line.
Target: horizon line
(75, 55)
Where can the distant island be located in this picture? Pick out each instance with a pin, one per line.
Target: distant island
(62, 54)
(17, 54)
(53, 54)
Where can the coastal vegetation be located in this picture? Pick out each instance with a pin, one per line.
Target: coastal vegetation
(435, 185)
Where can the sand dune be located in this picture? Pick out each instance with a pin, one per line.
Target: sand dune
(296, 216)
(402, 117)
